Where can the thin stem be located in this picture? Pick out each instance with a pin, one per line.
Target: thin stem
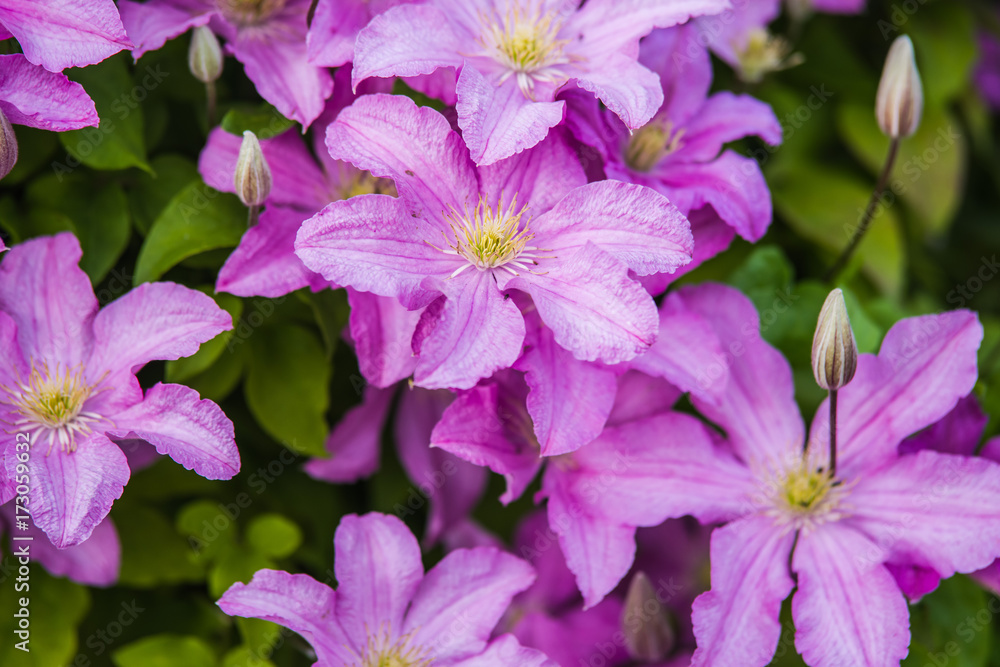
(833, 432)
(869, 213)
(210, 102)
(253, 214)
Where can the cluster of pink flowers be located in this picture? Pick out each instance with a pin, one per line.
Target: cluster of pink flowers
(507, 263)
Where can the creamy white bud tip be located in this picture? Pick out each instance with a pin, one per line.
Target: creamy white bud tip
(649, 632)
(205, 55)
(900, 99)
(253, 176)
(8, 146)
(834, 352)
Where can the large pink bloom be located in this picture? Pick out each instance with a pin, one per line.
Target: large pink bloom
(458, 238)
(784, 511)
(268, 37)
(68, 385)
(387, 611)
(513, 56)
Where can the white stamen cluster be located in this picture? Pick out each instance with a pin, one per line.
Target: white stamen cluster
(653, 142)
(384, 651)
(803, 497)
(526, 43)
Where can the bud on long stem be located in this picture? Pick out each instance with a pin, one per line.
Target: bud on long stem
(205, 62)
(900, 99)
(649, 634)
(253, 176)
(834, 357)
(8, 146)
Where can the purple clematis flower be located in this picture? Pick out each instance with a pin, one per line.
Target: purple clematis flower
(513, 56)
(458, 237)
(267, 36)
(785, 511)
(335, 27)
(32, 95)
(679, 152)
(387, 611)
(68, 385)
(57, 34)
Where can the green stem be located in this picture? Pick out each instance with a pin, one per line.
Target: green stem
(833, 432)
(210, 103)
(253, 215)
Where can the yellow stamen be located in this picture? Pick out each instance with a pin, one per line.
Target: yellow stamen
(651, 143)
(382, 651)
(765, 53)
(249, 12)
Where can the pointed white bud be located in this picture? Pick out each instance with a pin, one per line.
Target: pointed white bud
(649, 633)
(834, 352)
(253, 176)
(205, 55)
(900, 99)
(8, 146)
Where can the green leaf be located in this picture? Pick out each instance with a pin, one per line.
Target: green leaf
(766, 277)
(153, 552)
(165, 651)
(56, 607)
(118, 142)
(273, 535)
(236, 564)
(34, 149)
(944, 39)
(221, 378)
(824, 205)
(929, 175)
(150, 193)
(287, 386)
(184, 369)
(264, 121)
(332, 311)
(208, 528)
(952, 626)
(98, 213)
(244, 656)
(197, 219)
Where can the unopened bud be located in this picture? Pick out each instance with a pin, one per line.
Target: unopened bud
(834, 352)
(649, 633)
(8, 146)
(253, 176)
(205, 55)
(900, 99)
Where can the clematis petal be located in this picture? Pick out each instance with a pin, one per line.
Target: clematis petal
(382, 331)
(408, 40)
(634, 224)
(570, 400)
(958, 432)
(390, 136)
(355, 443)
(462, 598)
(595, 310)
(847, 611)
(736, 622)
(70, 493)
(57, 34)
(335, 26)
(940, 511)
(298, 602)
(711, 236)
(926, 364)
(93, 562)
(49, 298)
(31, 95)
(452, 486)
(467, 335)
(265, 263)
(726, 117)
(151, 24)
(190, 430)
(153, 321)
(505, 651)
(640, 396)
(757, 408)
(296, 178)
(685, 70)
(277, 64)
(626, 87)
(498, 121)
(476, 428)
(378, 568)
(369, 243)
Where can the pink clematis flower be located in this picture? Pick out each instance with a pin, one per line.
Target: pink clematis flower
(513, 56)
(679, 152)
(740, 37)
(784, 511)
(267, 36)
(387, 611)
(33, 96)
(458, 237)
(335, 27)
(68, 386)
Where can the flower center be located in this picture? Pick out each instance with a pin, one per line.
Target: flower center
(804, 497)
(363, 183)
(526, 43)
(653, 142)
(488, 237)
(249, 12)
(382, 651)
(765, 53)
(51, 403)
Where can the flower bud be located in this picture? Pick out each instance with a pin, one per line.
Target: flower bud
(900, 99)
(205, 55)
(253, 176)
(834, 352)
(8, 146)
(649, 633)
